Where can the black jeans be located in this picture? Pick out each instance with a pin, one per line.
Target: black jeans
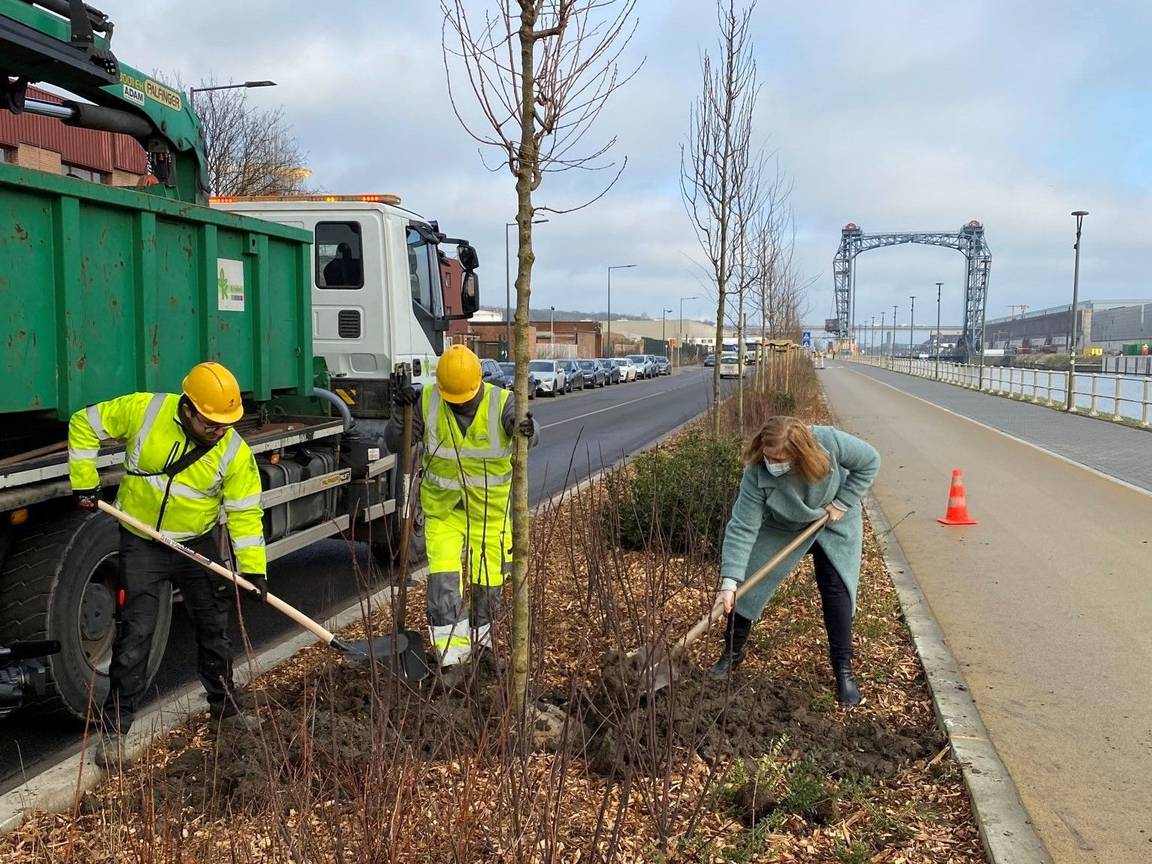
(146, 569)
(837, 603)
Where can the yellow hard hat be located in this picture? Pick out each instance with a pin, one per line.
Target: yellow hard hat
(213, 390)
(458, 374)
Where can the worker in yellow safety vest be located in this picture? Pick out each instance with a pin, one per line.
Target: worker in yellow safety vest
(184, 465)
(466, 427)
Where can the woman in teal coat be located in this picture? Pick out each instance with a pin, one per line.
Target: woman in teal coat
(794, 475)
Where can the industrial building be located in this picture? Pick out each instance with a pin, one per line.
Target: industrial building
(1105, 324)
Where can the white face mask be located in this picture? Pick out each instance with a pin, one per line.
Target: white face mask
(777, 469)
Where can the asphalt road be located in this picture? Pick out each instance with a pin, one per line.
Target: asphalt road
(1044, 603)
(581, 433)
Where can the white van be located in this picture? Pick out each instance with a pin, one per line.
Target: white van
(730, 366)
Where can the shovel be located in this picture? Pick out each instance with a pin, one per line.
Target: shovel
(655, 662)
(403, 655)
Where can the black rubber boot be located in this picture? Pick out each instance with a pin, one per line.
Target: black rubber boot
(847, 693)
(735, 638)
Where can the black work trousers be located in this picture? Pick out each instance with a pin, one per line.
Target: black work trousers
(837, 605)
(147, 572)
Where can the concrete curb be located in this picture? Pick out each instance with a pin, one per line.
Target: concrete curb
(60, 787)
(1006, 832)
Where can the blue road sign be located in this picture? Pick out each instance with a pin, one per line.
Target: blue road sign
(806, 338)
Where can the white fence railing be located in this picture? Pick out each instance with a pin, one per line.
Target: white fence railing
(1117, 397)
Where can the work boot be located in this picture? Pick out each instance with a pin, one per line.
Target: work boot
(847, 693)
(454, 677)
(109, 753)
(735, 638)
(488, 661)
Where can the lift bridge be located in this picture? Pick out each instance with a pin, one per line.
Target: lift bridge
(968, 241)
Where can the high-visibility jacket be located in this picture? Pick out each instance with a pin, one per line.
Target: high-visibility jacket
(189, 504)
(472, 469)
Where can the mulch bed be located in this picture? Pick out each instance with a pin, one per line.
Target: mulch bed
(351, 767)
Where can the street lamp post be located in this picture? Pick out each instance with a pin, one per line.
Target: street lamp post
(883, 334)
(939, 285)
(663, 327)
(610, 269)
(894, 308)
(1071, 396)
(872, 337)
(508, 289)
(552, 329)
(247, 85)
(911, 332)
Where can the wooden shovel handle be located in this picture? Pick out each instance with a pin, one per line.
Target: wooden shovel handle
(717, 610)
(275, 602)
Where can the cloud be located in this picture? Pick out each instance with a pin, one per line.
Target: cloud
(895, 114)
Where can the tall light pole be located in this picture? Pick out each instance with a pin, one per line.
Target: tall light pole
(681, 345)
(872, 337)
(552, 329)
(894, 308)
(883, 333)
(939, 285)
(663, 327)
(1071, 398)
(610, 269)
(508, 288)
(911, 332)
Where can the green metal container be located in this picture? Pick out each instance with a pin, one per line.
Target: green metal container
(1131, 349)
(106, 291)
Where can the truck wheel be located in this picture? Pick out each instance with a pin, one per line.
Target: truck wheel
(59, 582)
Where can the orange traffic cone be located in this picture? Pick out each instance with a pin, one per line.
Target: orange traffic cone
(957, 503)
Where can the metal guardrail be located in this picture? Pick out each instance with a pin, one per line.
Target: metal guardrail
(1114, 396)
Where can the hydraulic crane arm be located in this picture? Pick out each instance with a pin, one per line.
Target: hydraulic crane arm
(68, 44)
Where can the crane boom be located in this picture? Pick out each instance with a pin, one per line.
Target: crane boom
(68, 44)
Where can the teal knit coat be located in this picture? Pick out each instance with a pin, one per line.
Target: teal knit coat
(771, 511)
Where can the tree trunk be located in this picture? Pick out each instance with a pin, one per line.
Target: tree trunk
(521, 521)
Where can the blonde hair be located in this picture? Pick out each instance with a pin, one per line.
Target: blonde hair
(792, 436)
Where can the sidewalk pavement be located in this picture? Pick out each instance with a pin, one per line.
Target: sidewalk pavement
(1046, 603)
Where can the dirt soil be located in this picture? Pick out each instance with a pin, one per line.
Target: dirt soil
(741, 718)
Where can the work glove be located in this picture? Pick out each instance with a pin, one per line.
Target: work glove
(405, 396)
(259, 583)
(526, 427)
(87, 499)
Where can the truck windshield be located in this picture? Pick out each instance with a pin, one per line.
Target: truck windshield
(424, 274)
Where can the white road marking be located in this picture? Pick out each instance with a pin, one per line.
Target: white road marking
(610, 408)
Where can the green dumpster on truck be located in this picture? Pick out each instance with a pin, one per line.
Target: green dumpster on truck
(108, 291)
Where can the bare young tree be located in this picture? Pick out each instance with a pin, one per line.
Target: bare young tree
(713, 165)
(251, 150)
(539, 72)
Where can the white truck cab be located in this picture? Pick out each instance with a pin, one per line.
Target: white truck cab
(377, 295)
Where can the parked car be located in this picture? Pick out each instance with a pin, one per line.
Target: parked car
(509, 370)
(611, 371)
(709, 359)
(663, 364)
(730, 366)
(575, 375)
(552, 376)
(645, 368)
(593, 374)
(493, 374)
(626, 367)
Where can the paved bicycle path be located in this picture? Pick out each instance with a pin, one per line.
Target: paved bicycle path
(1046, 603)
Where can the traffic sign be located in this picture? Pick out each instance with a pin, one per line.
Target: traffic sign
(806, 339)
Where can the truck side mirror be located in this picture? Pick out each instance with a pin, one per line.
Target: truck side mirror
(466, 254)
(469, 293)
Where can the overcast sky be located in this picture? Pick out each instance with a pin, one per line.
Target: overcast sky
(900, 116)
